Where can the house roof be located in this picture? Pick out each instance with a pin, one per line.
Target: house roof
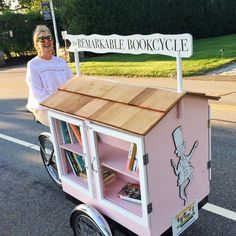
(132, 108)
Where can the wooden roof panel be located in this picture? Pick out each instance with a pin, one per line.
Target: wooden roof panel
(91, 107)
(156, 99)
(123, 93)
(115, 114)
(132, 108)
(90, 87)
(143, 121)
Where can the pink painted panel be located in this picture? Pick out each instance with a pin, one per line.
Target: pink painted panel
(126, 222)
(113, 141)
(160, 146)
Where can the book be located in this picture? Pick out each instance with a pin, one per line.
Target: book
(73, 139)
(73, 163)
(83, 174)
(80, 161)
(131, 156)
(64, 132)
(135, 165)
(108, 174)
(130, 192)
(109, 181)
(77, 134)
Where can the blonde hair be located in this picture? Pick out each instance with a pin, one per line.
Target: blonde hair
(37, 31)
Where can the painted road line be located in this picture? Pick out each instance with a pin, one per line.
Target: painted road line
(223, 107)
(208, 207)
(220, 211)
(19, 141)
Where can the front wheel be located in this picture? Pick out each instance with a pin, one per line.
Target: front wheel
(87, 221)
(48, 156)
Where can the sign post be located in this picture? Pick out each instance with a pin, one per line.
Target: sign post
(48, 14)
(55, 27)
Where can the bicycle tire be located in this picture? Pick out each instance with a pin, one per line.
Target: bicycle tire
(48, 156)
(83, 223)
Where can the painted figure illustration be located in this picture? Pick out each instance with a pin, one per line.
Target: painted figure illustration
(183, 169)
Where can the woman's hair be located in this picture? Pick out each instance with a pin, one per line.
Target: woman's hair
(37, 31)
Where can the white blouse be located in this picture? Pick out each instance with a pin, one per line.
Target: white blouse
(43, 78)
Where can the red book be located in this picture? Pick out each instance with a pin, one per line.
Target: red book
(77, 133)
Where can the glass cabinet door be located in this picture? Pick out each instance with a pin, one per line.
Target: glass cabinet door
(72, 153)
(121, 180)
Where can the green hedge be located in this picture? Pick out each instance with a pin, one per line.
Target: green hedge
(22, 27)
(202, 18)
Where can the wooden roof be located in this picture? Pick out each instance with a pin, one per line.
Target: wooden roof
(132, 108)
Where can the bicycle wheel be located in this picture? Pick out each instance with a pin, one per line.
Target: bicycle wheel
(48, 156)
(87, 221)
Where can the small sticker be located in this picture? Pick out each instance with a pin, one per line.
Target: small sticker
(185, 218)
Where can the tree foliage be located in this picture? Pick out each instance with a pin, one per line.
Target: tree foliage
(202, 18)
(16, 32)
(30, 5)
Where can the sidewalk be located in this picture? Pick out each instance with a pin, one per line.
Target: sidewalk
(12, 83)
(210, 85)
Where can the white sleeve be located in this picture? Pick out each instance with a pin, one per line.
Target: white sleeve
(68, 71)
(35, 85)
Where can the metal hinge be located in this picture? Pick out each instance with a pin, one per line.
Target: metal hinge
(209, 165)
(149, 208)
(145, 159)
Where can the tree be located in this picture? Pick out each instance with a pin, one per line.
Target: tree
(29, 5)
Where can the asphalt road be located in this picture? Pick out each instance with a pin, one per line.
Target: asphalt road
(30, 203)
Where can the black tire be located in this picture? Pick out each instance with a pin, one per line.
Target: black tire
(84, 225)
(48, 157)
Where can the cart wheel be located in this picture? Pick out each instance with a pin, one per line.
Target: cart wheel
(48, 156)
(87, 221)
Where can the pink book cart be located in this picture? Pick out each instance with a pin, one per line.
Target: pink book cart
(141, 155)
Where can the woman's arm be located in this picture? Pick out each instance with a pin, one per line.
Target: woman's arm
(36, 88)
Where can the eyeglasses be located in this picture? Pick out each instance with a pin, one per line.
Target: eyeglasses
(42, 39)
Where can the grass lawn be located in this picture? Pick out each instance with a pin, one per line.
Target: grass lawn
(206, 56)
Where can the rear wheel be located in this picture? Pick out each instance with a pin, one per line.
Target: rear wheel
(48, 156)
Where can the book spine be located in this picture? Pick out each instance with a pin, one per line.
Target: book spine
(76, 133)
(71, 134)
(65, 132)
(80, 162)
(130, 199)
(131, 155)
(70, 160)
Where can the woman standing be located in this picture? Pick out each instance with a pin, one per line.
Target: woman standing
(45, 73)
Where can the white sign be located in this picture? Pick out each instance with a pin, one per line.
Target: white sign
(170, 45)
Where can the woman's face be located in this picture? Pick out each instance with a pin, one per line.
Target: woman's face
(45, 45)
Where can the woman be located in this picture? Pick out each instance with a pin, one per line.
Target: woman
(45, 73)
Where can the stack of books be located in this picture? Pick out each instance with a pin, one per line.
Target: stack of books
(77, 164)
(108, 175)
(131, 192)
(132, 161)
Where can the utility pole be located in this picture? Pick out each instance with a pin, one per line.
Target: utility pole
(55, 27)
